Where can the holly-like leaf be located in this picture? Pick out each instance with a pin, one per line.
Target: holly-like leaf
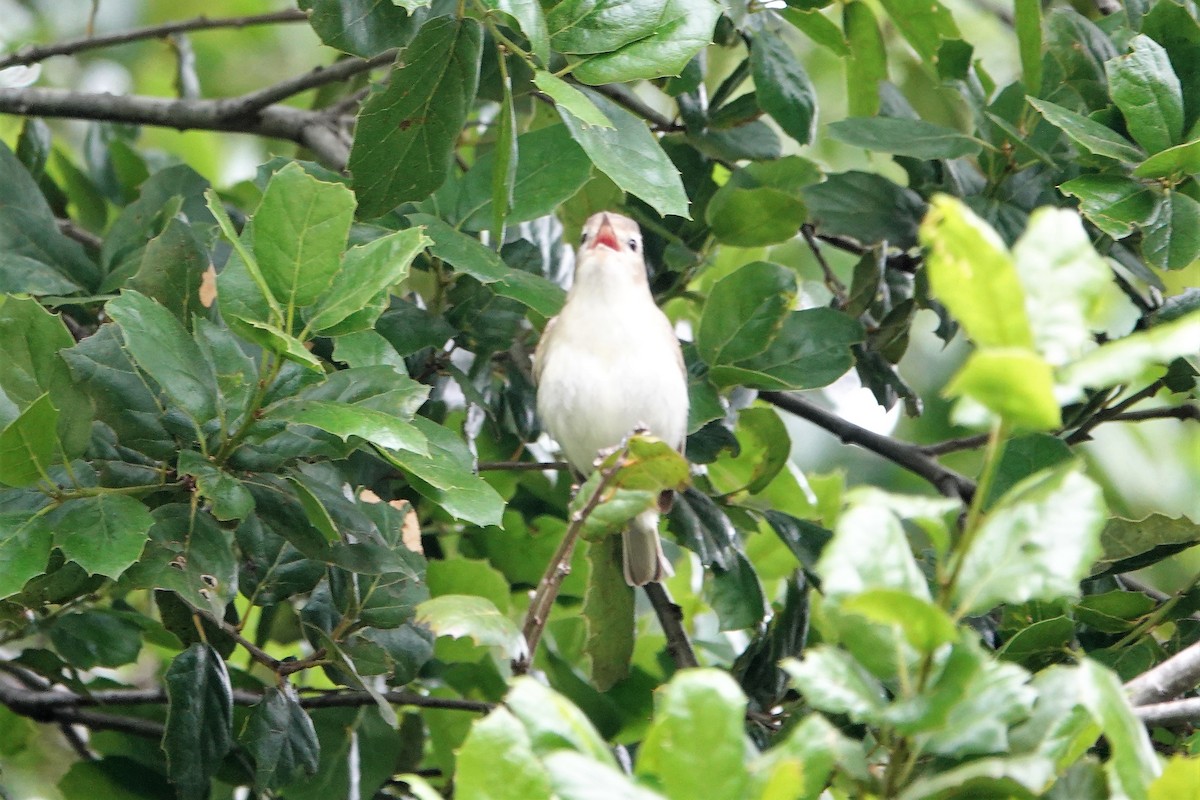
(783, 88)
(199, 719)
(474, 617)
(104, 533)
(281, 739)
(1144, 86)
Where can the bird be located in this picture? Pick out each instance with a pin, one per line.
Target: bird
(610, 363)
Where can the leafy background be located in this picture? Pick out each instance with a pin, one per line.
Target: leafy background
(271, 513)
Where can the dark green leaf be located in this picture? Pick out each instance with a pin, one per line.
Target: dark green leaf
(344, 420)
(683, 28)
(600, 26)
(760, 203)
(104, 534)
(280, 737)
(905, 137)
(550, 169)
(630, 155)
(115, 777)
(170, 270)
(1113, 203)
(230, 499)
(744, 312)
(784, 90)
(361, 27)
(866, 207)
(404, 143)
(608, 613)
(1130, 544)
(811, 350)
(199, 720)
(737, 596)
(1022, 457)
(160, 346)
(1174, 163)
(25, 542)
(29, 444)
(528, 15)
(1171, 238)
(96, 637)
(1146, 89)
(1087, 133)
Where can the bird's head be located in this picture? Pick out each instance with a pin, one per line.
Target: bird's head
(610, 248)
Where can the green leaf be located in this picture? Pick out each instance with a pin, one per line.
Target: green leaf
(867, 65)
(1113, 203)
(972, 274)
(1087, 133)
(344, 420)
(737, 595)
(783, 88)
(1179, 775)
(30, 239)
(1174, 163)
(551, 168)
(462, 615)
(694, 747)
(467, 254)
(811, 350)
(764, 447)
(1130, 544)
(744, 312)
(162, 348)
(630, 155)
(277, 341)
(924, 625)
(96, 637)
(104, 534)
(504, 154)
(1014, 383)
(25, 542)
(1144, 86)
(600, 26)
(230, 499)
(115, 777)
(29, 444)
(1138, 357)
(404, 143)
(32, 366)
(832, 681)
(608, 614)
(1003, 776)
(300, 230)
(870, 527)
(170, 271)
(1133, 764)
(554, 723)
(1069, 291)
(1022, 457)
(760, 203)
(566, 96)
(199, 719)
(576, 777)
(1037, 543)
(818, 27)
(904, 137)
(800, 764)
(1027, 16)
(281, 739)
(188, 554)
(925, 25)
(683, 28)
(496, 762)
(866, 207)
(1171, 238)
(528, 15)
(361, 27)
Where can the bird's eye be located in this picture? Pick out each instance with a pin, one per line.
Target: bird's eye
(583, 238)
(633, 245)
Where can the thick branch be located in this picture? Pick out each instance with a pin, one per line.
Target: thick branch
(1178, 674)
(909, 456)
(1176, 712)
(308, 128)
(340, 71)
(36, 53)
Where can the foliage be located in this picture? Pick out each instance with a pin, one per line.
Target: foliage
(257, 439)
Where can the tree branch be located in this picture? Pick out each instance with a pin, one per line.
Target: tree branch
(522, 466)
(670, 616)
(312, 129)
(1175, 712)
(319, 76)
(1178, 674)
(909, 456)
(36, 53)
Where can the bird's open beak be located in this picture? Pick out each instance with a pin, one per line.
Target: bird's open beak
(606, 236)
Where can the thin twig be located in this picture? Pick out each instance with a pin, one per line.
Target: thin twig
(831, 280)
(954, 445)
(897, 259)
(670, 617)
(1184, 412)
(319, 76)
(36, 53)
(559, 567)
(1082, 433)
(522, 466)
(909, 456)
(311, 129)
(623, 96)
(73, 231)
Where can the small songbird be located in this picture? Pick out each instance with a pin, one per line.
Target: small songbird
(610, 363)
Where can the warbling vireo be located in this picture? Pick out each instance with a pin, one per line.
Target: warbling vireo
(610, 363)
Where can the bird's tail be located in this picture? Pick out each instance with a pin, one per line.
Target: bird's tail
(644, 559)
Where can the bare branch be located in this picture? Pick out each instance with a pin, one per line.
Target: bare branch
(954, 445)
(73, 231)
(1175, 712)
(1178, 674)
(909, 456)
(1083, 432)
(670, 616)
(36, 53)
(831, 280)
(339, 71)
(522, 466)
(623, 96)
(311, 129)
